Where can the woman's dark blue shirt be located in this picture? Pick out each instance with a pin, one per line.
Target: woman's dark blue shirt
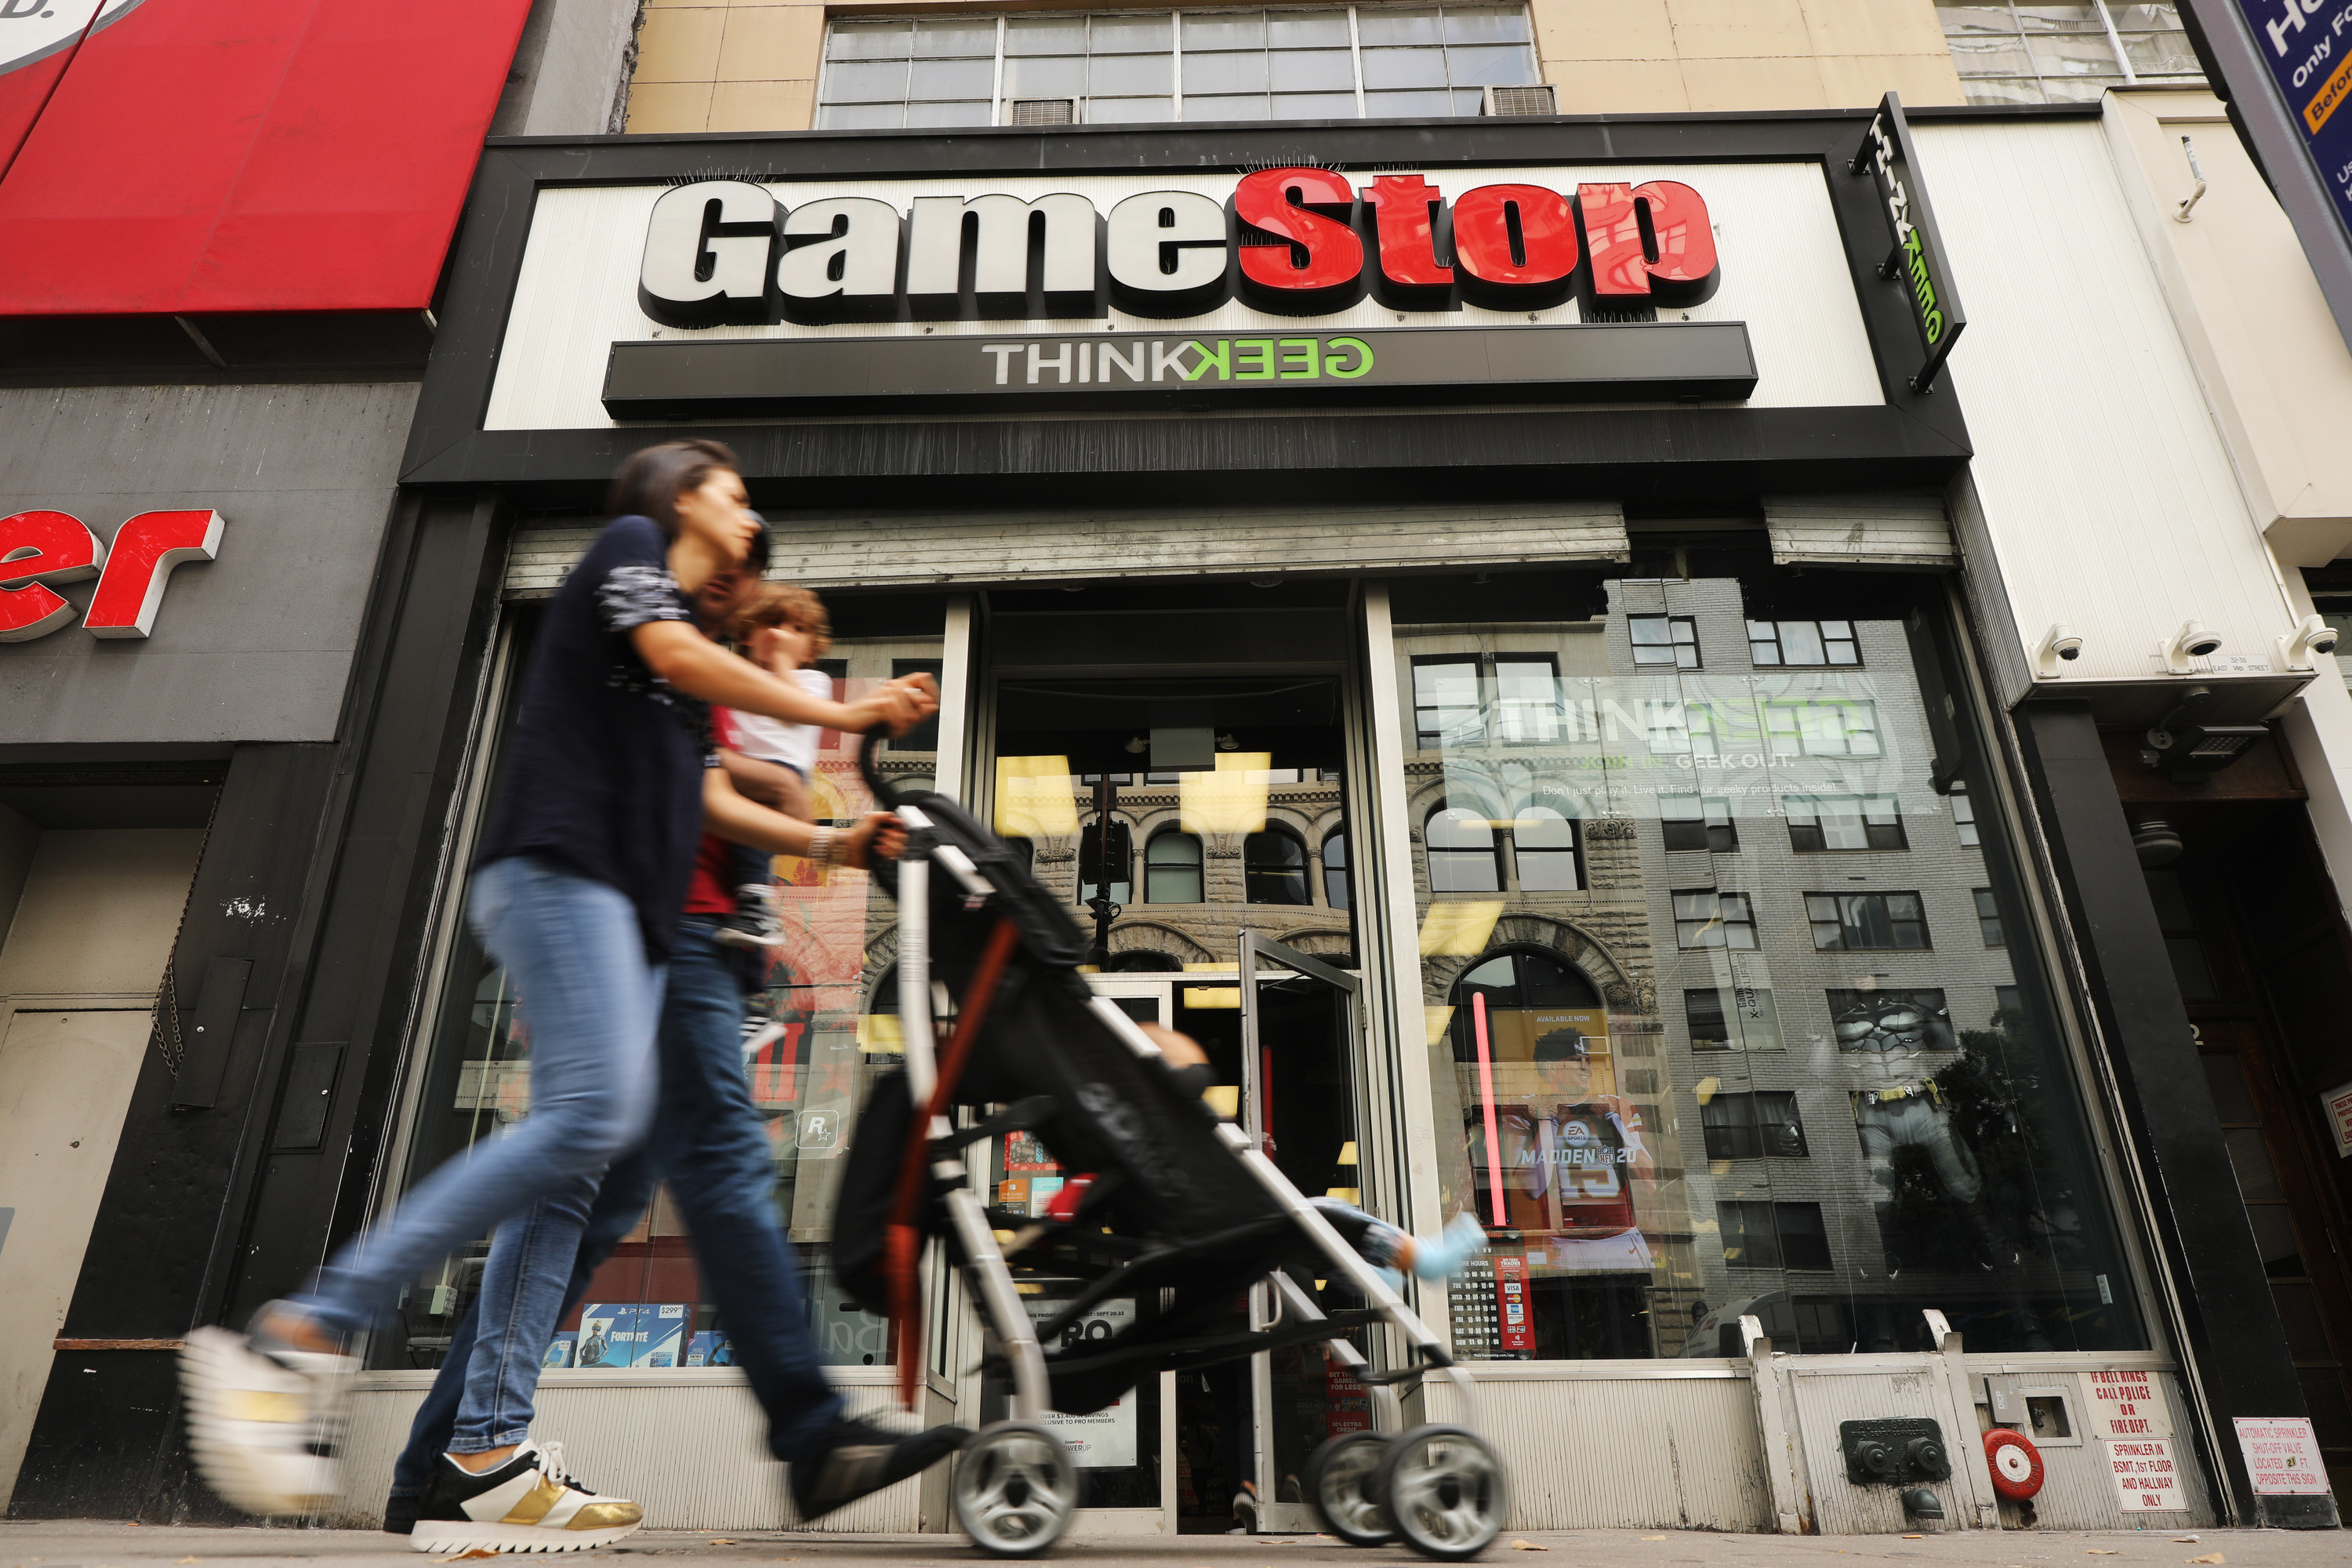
(603, 770)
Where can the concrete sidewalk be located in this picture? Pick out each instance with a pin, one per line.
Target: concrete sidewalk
(84, 1544)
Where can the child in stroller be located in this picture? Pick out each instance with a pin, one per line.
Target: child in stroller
(1179, 1207)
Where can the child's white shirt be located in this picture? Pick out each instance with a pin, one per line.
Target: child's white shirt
(773, 740)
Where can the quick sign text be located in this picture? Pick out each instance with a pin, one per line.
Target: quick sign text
(41, 551)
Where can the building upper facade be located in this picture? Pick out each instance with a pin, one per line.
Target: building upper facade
(748, 66)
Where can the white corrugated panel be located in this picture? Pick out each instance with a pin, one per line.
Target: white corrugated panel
(1784, 274)
(838, 551)
(1886, 530)
(2108, 497)
(1589, 1451)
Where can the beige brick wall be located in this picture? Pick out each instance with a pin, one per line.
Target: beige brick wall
(751, 65)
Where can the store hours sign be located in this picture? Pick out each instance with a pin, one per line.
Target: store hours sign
(1298, 243)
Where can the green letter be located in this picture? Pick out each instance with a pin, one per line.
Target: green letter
(1363, 357)
(1208, 358)
(1262, 360)
(1306, 358)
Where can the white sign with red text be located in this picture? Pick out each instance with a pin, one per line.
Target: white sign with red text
(2147, 1479)
(2126, 1406)
(2337, 1102)
(2282, 1455)
(42, 550)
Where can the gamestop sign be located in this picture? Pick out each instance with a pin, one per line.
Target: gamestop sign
(1440, 258)
(41, 551)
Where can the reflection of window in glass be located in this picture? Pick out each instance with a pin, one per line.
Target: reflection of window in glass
(1335, 869)
(1696, 821)
(1753, 1126)
(1844, 822)
(1463, 854)
(1703, 726)
(1171, 869)
(1832, 728)
(1988, 919)
(1527, 699)
(1731, 1018)
(1274, 867)
(1705, 918)
(1664, 639)
(1802, 642)
(1446, 703)
(2007, 999)
(1545, 845)
(1964, 815)
(1773, 1235)
(1846, 922)
(1092, 865)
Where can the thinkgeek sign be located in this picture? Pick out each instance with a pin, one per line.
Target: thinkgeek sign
(1298, 242)
(1917, 261)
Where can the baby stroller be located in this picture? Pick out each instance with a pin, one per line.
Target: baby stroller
(1183, 1209)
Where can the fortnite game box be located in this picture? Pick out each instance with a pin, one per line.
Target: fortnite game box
(710, 1347)
(615, 1334)
(559, 1350)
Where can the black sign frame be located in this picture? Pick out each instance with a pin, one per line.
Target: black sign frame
(1918, 260)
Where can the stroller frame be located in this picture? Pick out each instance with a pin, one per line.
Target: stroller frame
(1016, 1487)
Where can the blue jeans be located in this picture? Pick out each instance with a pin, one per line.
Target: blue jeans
(708, 1143)
(573, 951)
(511, 1377)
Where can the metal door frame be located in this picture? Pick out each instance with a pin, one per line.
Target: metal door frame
(1275, 1517)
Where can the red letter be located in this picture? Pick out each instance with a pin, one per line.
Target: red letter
(145, 550)
(1517, 240)
(38, 548)
(1402, 205)
(1676, 266)
(1332, 273)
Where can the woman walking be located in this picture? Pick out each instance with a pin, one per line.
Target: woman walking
(577, 890)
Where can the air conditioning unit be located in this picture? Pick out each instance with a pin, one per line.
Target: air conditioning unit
(1519, 100)
(1044, 112)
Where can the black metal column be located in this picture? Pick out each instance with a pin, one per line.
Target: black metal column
(2240, 1348)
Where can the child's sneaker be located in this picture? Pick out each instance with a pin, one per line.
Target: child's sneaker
(262, 1419)
(754, 922)
(527, 1504)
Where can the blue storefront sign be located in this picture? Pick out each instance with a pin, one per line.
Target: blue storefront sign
(2307, 43)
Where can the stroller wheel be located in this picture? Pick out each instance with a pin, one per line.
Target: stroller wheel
(1444, 1491)
(1340, 1480)
(1014, 1489)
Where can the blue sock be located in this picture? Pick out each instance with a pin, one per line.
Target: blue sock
(1442, 1258)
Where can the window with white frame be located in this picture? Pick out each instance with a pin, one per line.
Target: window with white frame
(1825, 728)
(1705, 917)
(1844, 822)
(1776, 643)
(1332, 62)
(2027, 53)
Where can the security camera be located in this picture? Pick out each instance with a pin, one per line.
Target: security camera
(2192, 641)
(2312, 635)
(2059, 643)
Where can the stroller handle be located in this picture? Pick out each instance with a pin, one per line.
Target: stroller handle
(885, 796)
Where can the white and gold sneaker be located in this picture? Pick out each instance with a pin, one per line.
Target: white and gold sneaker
(527, 1504)
(262, 1421)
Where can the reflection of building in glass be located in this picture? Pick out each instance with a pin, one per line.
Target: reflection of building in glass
(1706, 846)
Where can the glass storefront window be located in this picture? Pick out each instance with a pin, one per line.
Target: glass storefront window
(1728, 1008)
(818, 1036)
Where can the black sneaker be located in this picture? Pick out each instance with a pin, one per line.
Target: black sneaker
(747, 928)
(400, 1512)
(527, 1504)
(862, 1458)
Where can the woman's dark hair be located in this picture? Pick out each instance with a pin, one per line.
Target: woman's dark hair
(648, 482)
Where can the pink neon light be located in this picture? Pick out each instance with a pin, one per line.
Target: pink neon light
(1486, 1103)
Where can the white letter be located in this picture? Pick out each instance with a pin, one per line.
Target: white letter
(1000, 265)
(852, 270)
(1003, 352)
(2277, 30)
(1165, 243)
(1162, 359)
(727, 223)
(1131, 364)
(1059, 365)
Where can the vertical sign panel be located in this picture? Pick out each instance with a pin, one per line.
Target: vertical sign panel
(1917, 260)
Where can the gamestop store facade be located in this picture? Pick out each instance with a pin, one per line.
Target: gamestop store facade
(1509, 561)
